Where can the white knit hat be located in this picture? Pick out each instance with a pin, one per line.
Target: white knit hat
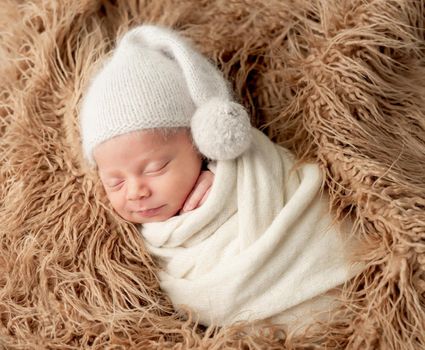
(155, 79)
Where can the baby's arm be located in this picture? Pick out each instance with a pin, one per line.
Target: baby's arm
(199, 192)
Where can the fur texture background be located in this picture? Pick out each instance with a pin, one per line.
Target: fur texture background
(341, 82)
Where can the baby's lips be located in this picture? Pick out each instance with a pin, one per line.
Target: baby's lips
(150, 212)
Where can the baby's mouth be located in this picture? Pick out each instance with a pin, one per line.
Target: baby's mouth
(149, 212)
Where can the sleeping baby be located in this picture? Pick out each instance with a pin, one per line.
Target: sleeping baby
(238, 232)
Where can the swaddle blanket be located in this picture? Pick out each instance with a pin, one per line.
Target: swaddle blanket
(261, 246)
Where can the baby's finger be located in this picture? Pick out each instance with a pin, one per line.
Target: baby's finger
(193, 199)
(196, 196)
(204, 198)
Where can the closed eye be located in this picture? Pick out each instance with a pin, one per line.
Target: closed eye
(114, 185)
(153, 170)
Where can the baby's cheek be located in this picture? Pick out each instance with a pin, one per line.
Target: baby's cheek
(116, 199)
(187, 185)
(175, 189)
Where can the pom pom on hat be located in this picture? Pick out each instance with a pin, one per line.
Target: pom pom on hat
(156, 79)
(221, 129)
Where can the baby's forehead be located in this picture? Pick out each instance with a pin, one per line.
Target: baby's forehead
(143, 145)
(168, 132)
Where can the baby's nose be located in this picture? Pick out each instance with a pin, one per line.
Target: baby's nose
(136, 189)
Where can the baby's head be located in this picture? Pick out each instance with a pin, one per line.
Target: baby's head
(149, 115)
(148, 174)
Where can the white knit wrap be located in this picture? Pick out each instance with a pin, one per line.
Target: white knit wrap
(155, 79)
(261, 246)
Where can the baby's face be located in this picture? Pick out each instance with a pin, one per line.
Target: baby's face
(147, 177)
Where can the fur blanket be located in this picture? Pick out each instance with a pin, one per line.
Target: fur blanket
(340, 82)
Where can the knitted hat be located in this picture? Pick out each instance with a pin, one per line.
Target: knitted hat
(155, 79)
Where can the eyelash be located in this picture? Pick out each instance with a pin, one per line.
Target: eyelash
(116, 185)
(147, 173)
(157, 170)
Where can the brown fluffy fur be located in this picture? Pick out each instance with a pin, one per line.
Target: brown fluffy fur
(340, 82)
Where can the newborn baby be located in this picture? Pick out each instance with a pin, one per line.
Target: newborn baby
(252, 241)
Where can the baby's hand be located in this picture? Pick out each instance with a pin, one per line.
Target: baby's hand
(199, 192)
